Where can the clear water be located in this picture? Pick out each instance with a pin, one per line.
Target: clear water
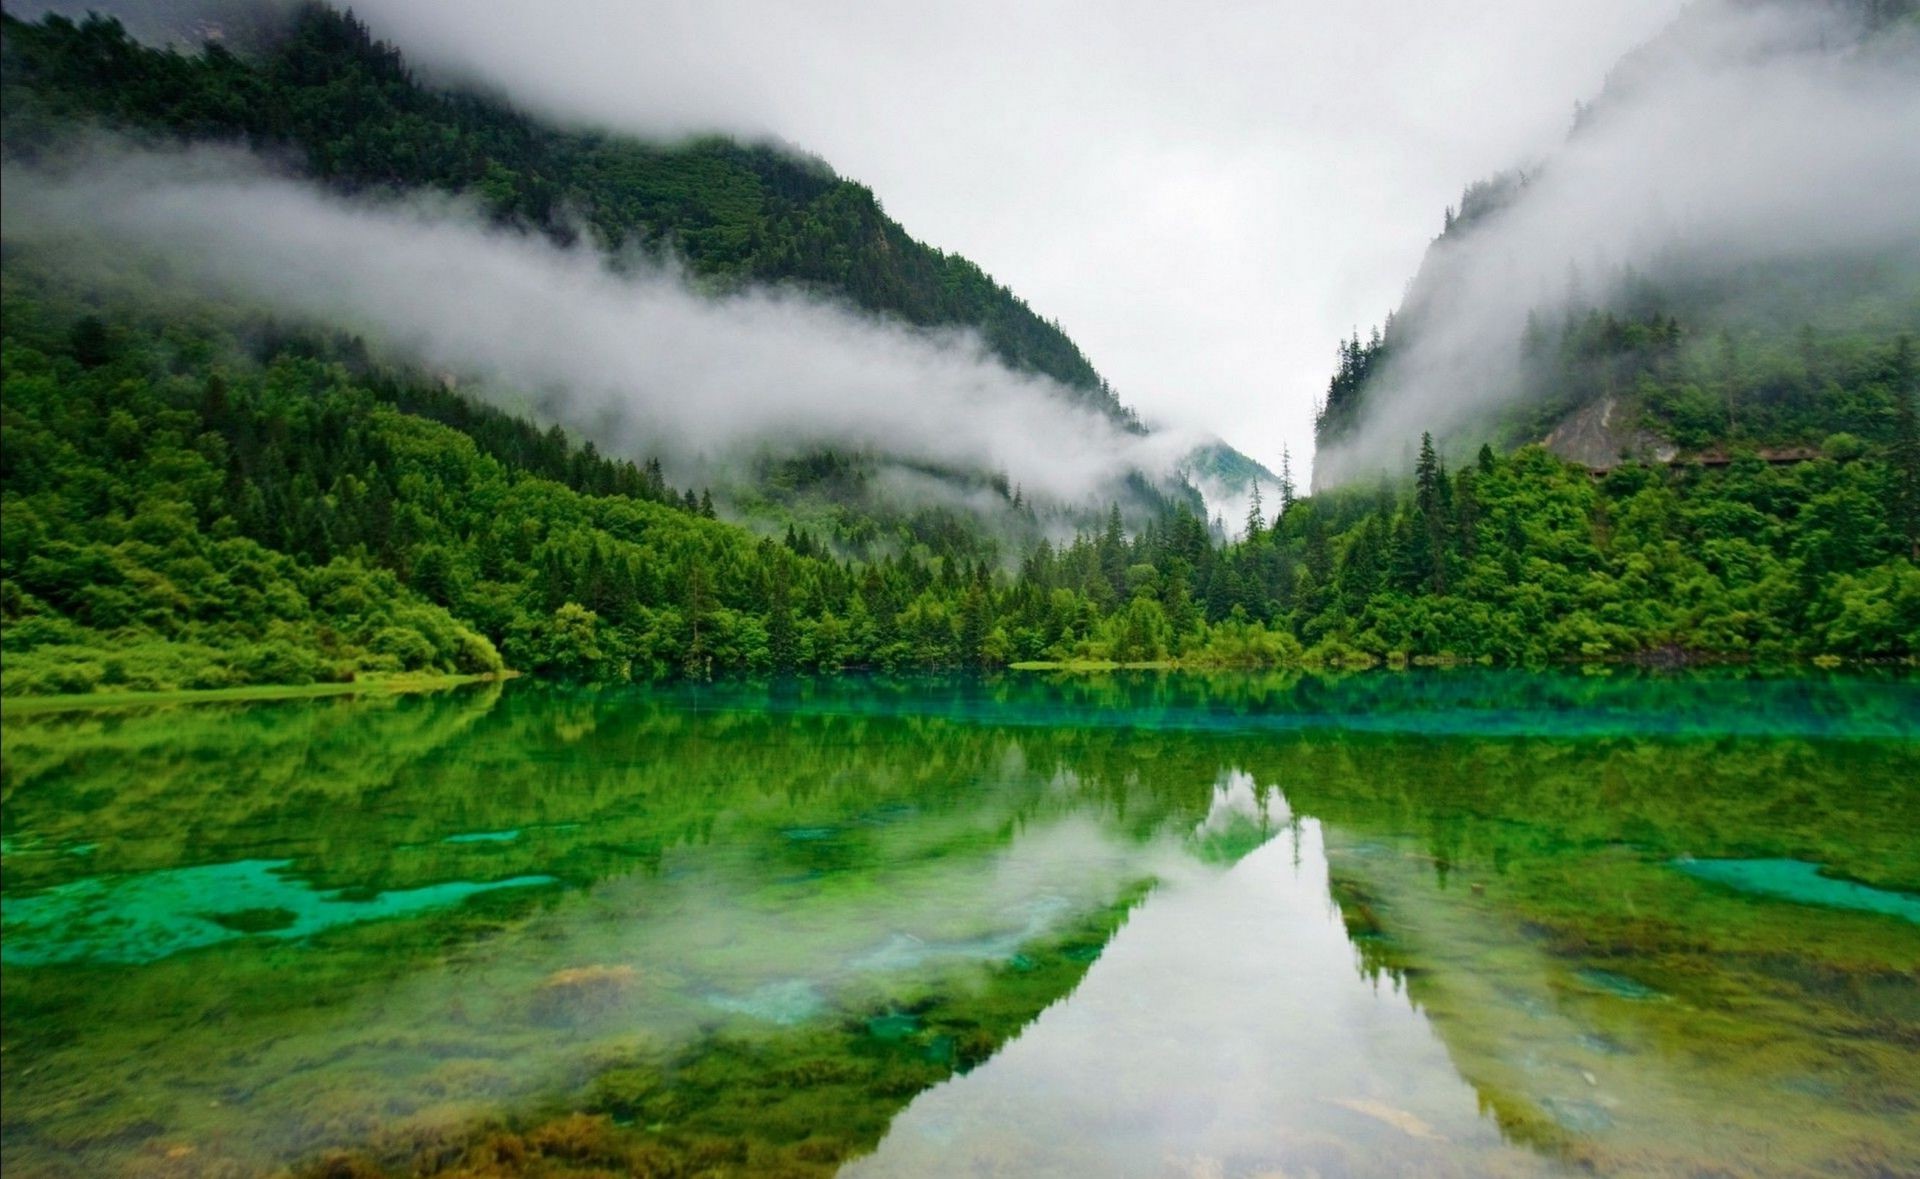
(1462, 923)
(1793, 880)
(145, 916)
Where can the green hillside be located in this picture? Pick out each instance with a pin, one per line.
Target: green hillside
(351, 111)
(193, 495)
(190, 499)
(1662, 359)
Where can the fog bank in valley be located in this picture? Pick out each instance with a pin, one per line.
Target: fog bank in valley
(632, 356)
(1207, 195)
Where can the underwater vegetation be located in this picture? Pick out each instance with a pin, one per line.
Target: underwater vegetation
(1485, 922)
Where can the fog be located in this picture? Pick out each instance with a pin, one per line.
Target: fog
(1754, 139)
(631, 356)
(1207, 196)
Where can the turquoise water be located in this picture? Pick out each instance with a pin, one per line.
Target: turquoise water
(1464, 924)
(153, 915)
(1793, 880)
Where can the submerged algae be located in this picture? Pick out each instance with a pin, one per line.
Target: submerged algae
(152, 915)
(1793, 880)
(785, 915)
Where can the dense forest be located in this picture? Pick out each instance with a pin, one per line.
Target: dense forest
(187, 507)
(351, 113)
(194, 495)
(1685, 389)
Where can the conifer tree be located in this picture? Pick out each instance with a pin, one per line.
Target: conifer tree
(1906, 446)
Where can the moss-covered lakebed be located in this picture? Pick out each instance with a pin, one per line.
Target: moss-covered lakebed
(1450, 922)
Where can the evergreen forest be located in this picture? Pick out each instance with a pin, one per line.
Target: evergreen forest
(197, 496)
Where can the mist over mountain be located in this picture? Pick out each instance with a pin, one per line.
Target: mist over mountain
(315, 371)
(1742, 187)
(712, 302)
(638, 359)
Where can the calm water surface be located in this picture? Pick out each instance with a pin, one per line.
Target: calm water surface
(1459, 923)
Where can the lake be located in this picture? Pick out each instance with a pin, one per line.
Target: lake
(1451, 923)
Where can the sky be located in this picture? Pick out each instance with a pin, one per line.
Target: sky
(1206, 196)
(1758, 166)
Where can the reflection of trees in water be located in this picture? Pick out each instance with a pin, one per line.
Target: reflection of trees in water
(595, 787)
(615, 776)
(1552, 845)
(1608, 1008)
(157, 787)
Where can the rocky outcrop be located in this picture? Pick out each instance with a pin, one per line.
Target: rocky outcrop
(1600, 436)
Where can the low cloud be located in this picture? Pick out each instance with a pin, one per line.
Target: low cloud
(1205, 195)
(630, 355)
(1752, 139)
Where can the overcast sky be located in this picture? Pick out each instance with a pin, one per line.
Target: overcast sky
(1206, 195)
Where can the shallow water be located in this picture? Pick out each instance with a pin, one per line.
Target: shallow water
(1459, 923)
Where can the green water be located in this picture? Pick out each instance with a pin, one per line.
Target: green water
(1461, 923)
(1794, 881)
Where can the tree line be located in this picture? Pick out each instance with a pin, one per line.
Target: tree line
(187, 508)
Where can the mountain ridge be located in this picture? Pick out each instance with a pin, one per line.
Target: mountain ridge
(733, 212)
(1488, 346)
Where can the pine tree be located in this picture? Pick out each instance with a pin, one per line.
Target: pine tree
(1466, 511)
(698, 590)
(1906, 446)
(1113, 553)
(1426, 477)
(1729, 380)
(1256, 519)
(1433, 512)
(976, 622)
(783, 644)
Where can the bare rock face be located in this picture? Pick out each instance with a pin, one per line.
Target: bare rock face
(581, 994)
(1599, 436)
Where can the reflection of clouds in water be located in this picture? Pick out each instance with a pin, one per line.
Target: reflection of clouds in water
(1239, 801)
(796, 1000)
(984, 912)
(786, 1003)
(1024, 923)
(708, 935)
(1224, 1022)
(635, 967)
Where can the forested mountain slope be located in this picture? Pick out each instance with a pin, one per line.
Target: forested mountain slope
(315, 90)
(354, 116)
(195, 493)
(192, 497)
(1662, 286)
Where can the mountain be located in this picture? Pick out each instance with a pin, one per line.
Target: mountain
(270, 479)
(1229, 480)
(357, 120)
(202, 491)
(1721, 256)
(315, 89)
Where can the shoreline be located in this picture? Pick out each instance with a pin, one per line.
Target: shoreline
(385, 686)
(407, 684)
(1439, 663)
